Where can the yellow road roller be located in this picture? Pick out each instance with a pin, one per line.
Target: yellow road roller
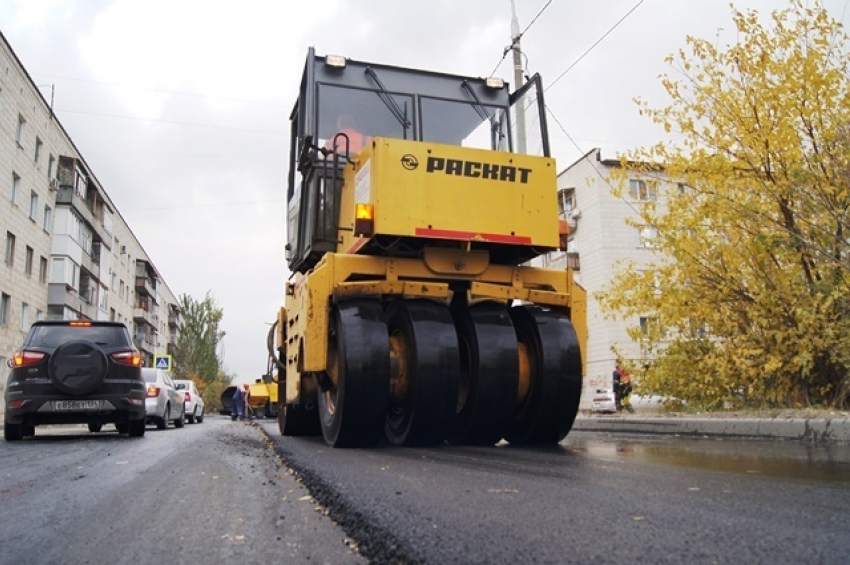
(415, 201)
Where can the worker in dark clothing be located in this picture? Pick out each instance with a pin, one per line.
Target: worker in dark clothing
(236, 413)
(618, 391)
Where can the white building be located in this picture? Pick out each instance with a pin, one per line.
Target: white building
(601, 238)
(68, 253)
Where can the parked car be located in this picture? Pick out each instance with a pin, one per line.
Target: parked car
(192, 399)
(163, 403)
(75, 372)
(603, 401)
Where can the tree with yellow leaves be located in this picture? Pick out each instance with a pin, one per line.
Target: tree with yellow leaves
(754, 261)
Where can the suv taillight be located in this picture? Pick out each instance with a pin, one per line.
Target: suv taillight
(188, 397)
(28, 358)
(153, 391)
(132, 358)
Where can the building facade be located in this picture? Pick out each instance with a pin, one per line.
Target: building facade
(68, 253)
(602, 237)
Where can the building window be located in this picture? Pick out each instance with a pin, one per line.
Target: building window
(648, 236)
(48, 218)
(566, 200)
(10, 248)
(38, 146)
(29, 261)
(4, 308)
(33, 206)
(57, 272)
(25, 316)
(51, 167)
(39, 315)
(22, 126)
(643, 191)
(42, 270)
(16, 185)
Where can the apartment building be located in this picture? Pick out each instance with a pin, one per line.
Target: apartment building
(601, 238)
(68, 253)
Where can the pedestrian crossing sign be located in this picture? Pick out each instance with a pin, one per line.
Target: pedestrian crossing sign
(163, 362)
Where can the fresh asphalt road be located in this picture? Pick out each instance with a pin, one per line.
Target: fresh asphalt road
(222, 492)
(595, 499)
(208, 493)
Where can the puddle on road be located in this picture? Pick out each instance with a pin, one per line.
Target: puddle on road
(784, 460)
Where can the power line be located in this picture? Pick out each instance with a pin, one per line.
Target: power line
(210, 205)
(163, 90)
(173, 122)
(598, 41)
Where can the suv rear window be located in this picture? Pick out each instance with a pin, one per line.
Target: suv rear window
(56, 335)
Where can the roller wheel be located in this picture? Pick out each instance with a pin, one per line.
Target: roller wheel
(425, 372)
(354, 390)
(550, 376)
(489, 374)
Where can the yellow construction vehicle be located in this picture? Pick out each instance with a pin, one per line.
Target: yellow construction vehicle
(411, 314)
(262, 401)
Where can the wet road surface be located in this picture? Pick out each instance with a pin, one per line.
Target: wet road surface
(596, 499)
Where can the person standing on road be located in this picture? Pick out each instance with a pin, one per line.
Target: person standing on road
(246, 397)
(626, 390)
(616, 384)
(236, 411)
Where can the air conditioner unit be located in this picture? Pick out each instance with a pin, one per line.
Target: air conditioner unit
(54, 184)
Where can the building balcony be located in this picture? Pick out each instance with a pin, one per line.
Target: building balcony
(145, 287)
(144, 344)
(62, 295)
(142, 316)
(67, 196)
(573, 262)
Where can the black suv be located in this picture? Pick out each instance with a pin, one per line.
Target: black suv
(75, 372)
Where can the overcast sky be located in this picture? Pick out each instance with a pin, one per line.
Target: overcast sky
(181, 106)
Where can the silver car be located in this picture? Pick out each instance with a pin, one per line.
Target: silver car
(192, 399)
(163, 402)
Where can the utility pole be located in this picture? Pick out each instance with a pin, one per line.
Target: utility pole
(518, 79)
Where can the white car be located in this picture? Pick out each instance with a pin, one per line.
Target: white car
(192, 400)
(163, 402)
(603, 401)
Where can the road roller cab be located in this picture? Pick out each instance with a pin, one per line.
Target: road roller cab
(411, 315)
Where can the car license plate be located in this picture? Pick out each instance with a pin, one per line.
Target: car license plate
(76, 405)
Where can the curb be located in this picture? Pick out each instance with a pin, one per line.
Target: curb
(830, 431)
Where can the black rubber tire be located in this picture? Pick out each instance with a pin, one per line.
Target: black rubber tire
(352, 411)
(162, 421)
(78, 367)
(95, 427)
(190, 419)
(489, 374)
(181, 421)
(136, 428)
(200, 417)
(122, 427)
(29, 431)
(425, 414)
(547, 415)
(13, 432)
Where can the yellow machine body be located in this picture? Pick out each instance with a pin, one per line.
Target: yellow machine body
(436, 191)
